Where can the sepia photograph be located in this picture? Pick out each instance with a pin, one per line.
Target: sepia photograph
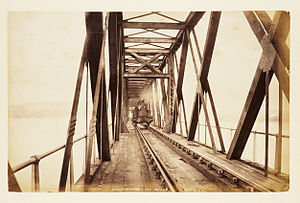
(148, 101)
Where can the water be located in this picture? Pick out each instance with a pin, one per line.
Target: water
(29, 83)
(32, 136)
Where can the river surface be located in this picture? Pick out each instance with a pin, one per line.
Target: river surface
(30, 136)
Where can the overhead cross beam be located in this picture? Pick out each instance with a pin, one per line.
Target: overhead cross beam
(146, 51)
(190, 22)
(153, 25)
(133, 61)
(150, 76)
(146, 63)
(270, 61)
(149, 40)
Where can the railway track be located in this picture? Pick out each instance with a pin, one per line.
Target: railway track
(174, 170)
(157, 164)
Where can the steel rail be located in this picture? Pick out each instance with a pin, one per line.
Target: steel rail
(211, 164)
(163, 171)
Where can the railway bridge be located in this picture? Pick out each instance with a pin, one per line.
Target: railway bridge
(148, 60)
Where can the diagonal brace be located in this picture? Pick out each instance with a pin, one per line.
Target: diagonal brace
(146, 63)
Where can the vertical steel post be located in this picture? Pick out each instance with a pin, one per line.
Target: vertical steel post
(180, 122)
(101, 120)
(86, 112)
(278, 150)
(152, 103)
(199, 109)
(157, 103)
(36, 177)
(205, 123)
(92, 130)
(36, 174)
(267, 123)
(254, 147)
(164, 101)
(169, 89)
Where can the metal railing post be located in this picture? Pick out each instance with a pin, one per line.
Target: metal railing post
(254, 147)
(205, 133)
(267, 81)
(36, 174)
(34, 161)
(199, 131)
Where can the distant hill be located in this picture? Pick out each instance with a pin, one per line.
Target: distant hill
(40, 110)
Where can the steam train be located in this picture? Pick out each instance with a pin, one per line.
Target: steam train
(142, 114)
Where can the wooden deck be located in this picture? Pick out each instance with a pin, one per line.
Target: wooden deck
(254, 177)
(127, 171)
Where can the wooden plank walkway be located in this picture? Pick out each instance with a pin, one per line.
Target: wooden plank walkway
(254, 177)
(127, 171)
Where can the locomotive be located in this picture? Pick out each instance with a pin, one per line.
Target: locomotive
(142, 114)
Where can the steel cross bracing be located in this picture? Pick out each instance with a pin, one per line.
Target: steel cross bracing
(144, 71)
(146, 66)
(143, 65)
(275, 59)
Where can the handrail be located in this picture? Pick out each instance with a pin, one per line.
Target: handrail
(254, 132)
(36, 158)
(24, 164)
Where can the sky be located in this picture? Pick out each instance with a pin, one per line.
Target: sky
(76, 35)
(44, 50)
(44, 55)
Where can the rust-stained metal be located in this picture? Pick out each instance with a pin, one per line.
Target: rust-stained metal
(149, 40)
(200, 93)
(157, 103)
(278, 147)
(13, 185)
(69, 142)
(134, 70)
(206, 61)
(267, 124)
(98, 93)
(257, 91)
(153, 25)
